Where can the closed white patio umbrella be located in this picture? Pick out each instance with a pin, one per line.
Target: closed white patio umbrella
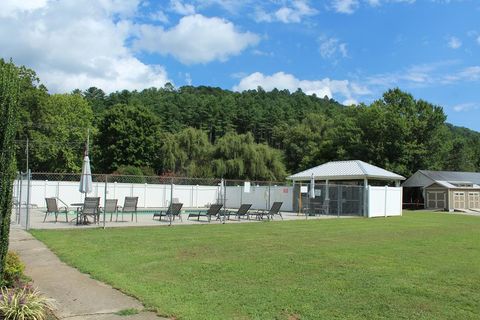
(312, 187)
(86, 184)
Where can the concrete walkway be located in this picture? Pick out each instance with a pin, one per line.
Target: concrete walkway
(77, 295)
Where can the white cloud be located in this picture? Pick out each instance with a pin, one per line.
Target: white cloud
(159, 16)
(350, 102)
(350, 6)
(465, 107)
(232, 6)
(454, 43)
(471, 73)
(181, 8)
(78, 44)
(196, 39)
(324, 87)
(292, 12)
(11, 8)
(332, 47)
(345, 6)
(478, 39)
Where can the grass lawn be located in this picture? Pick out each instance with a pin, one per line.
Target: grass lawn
(419, 266)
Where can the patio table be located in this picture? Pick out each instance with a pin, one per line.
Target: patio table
(79, 206)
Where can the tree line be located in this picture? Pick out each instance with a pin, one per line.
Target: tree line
(211, 132)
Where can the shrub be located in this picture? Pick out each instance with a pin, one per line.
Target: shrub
(24, 303)
(13, 272)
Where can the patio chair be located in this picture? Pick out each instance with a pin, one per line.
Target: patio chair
(130, 206)
(90, 208)
(275, 209)
(111, 206)
(241, 212)
(212, 211)
(174, 210)
(318, 209)
(53, 208)
(15, 202)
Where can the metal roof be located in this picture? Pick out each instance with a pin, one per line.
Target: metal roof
(346, 170)
(453, 176)
(452, 184)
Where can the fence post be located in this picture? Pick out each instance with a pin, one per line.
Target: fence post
(171, 200)
(385, 206)
(269, 193)
(145, 196)
(339, 199)
(19, 197)
(27, 221)
(105, 200)
(224, 198)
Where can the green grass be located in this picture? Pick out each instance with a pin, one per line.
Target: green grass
(127, 312)
(419, 266)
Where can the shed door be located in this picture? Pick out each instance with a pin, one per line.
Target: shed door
(474, 200)
(436, 199)
(459, 200)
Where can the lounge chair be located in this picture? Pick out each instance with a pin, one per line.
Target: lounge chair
(111, 206)
(241, 212)
(130, 206)
(90, 208)
(275, 209)
(53, 208)
(212, 211)
(174, 210)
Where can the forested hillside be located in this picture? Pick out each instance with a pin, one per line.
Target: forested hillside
(211, 132)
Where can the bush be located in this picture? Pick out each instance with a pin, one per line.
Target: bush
(13, 272)
(23, 304)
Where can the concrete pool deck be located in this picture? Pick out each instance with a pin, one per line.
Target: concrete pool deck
(146, 219)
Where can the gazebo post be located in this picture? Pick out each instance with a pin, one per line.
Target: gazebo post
(365, 197)
(327, 197)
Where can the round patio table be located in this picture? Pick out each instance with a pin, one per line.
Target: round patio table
(78, 205)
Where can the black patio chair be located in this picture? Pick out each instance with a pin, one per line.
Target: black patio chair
(53, 208)
(174, 210)
(212, 211)
(275, 209)
(241, 212)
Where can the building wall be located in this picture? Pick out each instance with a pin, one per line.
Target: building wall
(450, 197)
(418, 179)
(437, 188)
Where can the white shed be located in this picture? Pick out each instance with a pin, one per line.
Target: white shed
(359, 187)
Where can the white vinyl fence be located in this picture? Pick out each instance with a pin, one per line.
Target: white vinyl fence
(149, 195)
(384, 201)
(261, 197)
(158, 195)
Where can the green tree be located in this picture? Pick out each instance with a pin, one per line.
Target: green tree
(128, 135)
(9, 92)
(58, 138)
(197, 152)
(239, 157)
(306, 144)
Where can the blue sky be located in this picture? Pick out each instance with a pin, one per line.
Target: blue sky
(351, 50)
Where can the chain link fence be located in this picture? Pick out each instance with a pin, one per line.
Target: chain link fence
(21, 200)
(155, 194)
(331, 199)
